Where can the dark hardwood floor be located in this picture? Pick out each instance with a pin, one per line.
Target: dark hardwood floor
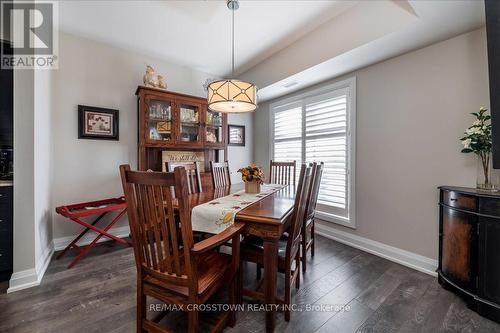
(344, 290)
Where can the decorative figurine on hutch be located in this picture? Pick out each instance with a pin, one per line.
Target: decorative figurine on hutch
(161, 82)
(149, 78)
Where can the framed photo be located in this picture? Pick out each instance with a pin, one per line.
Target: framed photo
(236, 135)
(97, 123)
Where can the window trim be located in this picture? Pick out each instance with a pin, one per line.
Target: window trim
(351, 142)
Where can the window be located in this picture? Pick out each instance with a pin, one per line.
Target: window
(319, 126)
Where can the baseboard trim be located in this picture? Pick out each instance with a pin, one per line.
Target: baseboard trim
(62, 242)
(31, 277)
(400, 256)
(44, 262)
(23, 280)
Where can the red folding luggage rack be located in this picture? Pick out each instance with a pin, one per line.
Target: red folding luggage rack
(77, 211)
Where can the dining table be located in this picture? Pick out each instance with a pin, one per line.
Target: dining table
(267, 218)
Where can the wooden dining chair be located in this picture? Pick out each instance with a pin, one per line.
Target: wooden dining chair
(282, 172)
(220, 174)
(193, 175)
(194, 185)
(170, 266)
(307, 232)
(252, 249)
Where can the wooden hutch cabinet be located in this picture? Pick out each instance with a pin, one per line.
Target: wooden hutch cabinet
(171, 121)
(469, 247)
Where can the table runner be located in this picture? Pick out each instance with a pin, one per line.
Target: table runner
(216, 215)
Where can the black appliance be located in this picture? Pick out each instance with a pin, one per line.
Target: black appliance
(6, 164)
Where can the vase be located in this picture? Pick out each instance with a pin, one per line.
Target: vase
(484, 173)
(252, 187)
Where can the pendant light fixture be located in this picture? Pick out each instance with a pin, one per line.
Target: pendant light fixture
(231, 95)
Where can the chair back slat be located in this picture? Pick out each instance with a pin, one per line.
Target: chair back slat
(151, 223)
(282, 172)
(220, 174)
(193, 175)
(299, 208)
(159, 242)
(172, 227)
(165, 230)
(314, 190)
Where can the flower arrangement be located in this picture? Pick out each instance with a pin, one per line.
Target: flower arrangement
(252, 173)
(477, 140)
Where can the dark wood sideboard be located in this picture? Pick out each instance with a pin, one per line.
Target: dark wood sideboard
(469, 247)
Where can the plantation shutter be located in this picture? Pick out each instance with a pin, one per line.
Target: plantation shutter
(326, 125)
(316, 128)
(288, 133)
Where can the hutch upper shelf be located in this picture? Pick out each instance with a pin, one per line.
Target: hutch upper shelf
(174, 121)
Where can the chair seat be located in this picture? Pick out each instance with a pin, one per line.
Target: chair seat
(254, 243)
(212, 266)
(285, 235)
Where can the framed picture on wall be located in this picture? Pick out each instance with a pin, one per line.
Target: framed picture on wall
(236, 135)
(97, 123)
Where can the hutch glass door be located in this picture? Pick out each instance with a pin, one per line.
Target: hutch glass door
(159, 113)
(189, 123)
(214, 127)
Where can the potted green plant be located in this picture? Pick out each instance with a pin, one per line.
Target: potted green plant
(477, 140)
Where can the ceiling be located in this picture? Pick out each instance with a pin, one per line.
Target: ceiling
(198, 33)
(281, 45)
(377, 30)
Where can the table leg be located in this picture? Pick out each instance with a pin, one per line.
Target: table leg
(270, 273)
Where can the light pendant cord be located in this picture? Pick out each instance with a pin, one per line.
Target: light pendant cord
(232, 67)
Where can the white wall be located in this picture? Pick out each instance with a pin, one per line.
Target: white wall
(96, 74)
(32, 195)
(24, 231)
(43, 154)
(32, 177)
(241, 156)
(411, 111)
